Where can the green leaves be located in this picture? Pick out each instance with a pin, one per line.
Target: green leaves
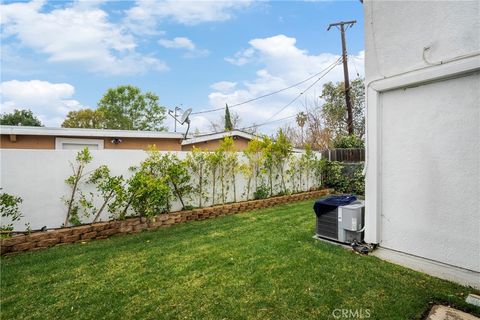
(20, 118)
(348, 142)
(159, 179)
(84, 157)
(228, 119)
(77, 199)
(9, 209)
(335, 111)
(127, 108)
(345, 178)
(197, 163)
(110, 187)
(84, 118)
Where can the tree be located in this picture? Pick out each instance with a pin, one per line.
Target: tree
(127, 108)
(324, 122)
(301, 120)
(109, 187)
(84, 118)
(77, 199)
(334, 109)
(197, 162)
(178, 176)
(255, 157)
(281, 151)
(231, 162)
(20, 118)
(228, 120)
(219, 125)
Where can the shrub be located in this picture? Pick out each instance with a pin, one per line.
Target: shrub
(77, 199)
(177, 174)
(9, 209)
(197, 163)
(262, 192)
(150, 193)
(345, 178)
(348, 142)
(110, 187)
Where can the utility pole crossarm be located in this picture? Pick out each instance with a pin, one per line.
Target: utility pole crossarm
(342, 25)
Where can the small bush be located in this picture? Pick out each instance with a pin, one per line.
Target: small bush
(344, 178)
(262, 192)
(348, 142)
(9, 209)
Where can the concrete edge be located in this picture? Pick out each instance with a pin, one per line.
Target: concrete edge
(433, 268)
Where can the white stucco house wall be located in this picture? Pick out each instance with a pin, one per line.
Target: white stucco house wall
(422, 73)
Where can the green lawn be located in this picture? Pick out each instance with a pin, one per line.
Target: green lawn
(262, 264)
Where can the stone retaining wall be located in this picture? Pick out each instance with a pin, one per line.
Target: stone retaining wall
(41, 240)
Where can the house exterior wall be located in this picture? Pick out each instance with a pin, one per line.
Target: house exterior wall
(423, 129)
(48, 142)
(27, 142)
(212, 145)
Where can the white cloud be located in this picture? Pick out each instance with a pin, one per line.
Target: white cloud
(77, 33)
(186, 44)
(144, 16)
(178, 43)
(242, 57)
(49, 101)
(282, 64)
(223, 86)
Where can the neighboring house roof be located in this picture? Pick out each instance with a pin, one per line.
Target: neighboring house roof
(218, 136)
(78, 132)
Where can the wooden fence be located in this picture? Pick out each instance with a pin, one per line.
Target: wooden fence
(344, 155)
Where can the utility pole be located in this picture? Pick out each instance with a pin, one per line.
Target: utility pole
(341, 25)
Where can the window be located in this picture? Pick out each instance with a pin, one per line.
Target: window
(78, 144)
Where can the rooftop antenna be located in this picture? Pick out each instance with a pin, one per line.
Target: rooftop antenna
(183, 119)
(174, 115)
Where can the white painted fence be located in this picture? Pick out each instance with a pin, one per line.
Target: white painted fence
(38, 177)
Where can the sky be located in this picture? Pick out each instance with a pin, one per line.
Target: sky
(59, 56)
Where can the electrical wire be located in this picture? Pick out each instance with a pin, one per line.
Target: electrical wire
(330, 68)
(268, 94)
(308, 88)
(354, 65)
(267, 122)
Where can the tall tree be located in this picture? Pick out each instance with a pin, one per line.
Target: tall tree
(20, 118)
(326, 118)
(84, 118)
(228, 120)
(126, 107)
(334, 108)
(301, 119)
(219, 124)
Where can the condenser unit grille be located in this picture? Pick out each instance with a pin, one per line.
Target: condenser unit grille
(327, 225)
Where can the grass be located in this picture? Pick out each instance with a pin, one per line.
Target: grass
(262, 264)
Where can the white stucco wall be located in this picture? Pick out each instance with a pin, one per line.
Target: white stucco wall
(423, 135)
(430, 171)
(38, 177)
(397, 31)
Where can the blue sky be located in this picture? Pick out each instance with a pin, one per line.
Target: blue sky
(60, 56)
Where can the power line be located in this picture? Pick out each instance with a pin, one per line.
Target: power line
(308, 88)
(268, 94)
(268, 122)
(330, 68)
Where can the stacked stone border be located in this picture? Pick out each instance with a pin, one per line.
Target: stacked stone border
(55, 237)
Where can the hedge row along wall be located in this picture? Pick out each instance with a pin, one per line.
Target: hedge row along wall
(102, 230)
